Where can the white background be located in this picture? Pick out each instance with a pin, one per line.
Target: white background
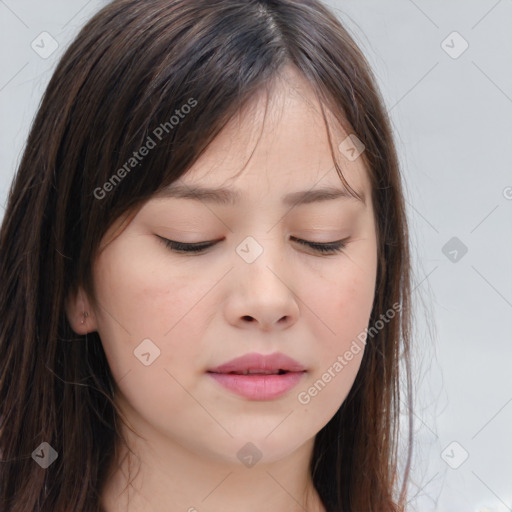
(453, 126)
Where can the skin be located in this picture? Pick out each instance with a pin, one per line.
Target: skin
(204, 310)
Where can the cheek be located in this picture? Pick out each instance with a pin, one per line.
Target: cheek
(343, 297)
(342, 301)
(353, 304)
(141, 290)
(142, 298)
(345, 305)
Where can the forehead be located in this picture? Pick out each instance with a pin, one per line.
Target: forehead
(279, 143)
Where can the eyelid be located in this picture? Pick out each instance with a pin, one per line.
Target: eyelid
(326, 248)
(199, 245)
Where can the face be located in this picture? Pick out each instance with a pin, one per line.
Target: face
(166, 318)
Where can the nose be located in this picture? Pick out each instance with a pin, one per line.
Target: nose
(261, 295)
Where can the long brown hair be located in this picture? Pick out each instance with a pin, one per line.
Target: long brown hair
(127, 72)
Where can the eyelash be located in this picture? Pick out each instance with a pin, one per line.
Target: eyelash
(197, 248)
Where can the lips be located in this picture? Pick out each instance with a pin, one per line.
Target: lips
(259, 377)
(254, 363)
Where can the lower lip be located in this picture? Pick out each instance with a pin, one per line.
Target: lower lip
(259, 387)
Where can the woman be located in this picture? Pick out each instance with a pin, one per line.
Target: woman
(205, 270)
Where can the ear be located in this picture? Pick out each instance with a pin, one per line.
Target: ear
(80, 314)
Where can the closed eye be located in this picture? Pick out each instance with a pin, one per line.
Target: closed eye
(199, 247)
(325, 248)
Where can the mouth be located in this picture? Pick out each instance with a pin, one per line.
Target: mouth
(253, 372)
(259, 377)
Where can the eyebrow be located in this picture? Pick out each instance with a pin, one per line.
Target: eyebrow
(231, 197)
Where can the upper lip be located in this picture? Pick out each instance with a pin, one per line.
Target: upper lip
(255, 363)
